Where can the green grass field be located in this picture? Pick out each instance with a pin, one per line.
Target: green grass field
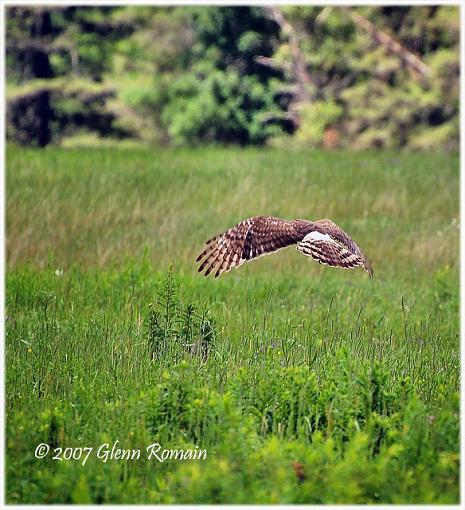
(305, 384)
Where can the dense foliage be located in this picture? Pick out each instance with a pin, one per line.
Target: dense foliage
(305, 76)
(226, 96)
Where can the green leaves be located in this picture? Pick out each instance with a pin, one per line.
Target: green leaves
(226, 96)
(209, 74)
(223, 107)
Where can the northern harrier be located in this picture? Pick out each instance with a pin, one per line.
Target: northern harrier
(261, 235)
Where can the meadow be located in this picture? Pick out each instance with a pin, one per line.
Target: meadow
(305, 384)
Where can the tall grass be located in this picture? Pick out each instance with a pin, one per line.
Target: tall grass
(306, 384)
(96, 207)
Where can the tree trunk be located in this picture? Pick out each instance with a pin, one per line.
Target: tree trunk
(299, 64)
(29, 117)
(413, 63)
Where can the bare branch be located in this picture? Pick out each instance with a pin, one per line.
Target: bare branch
(298, 60)
(274, 63)
(412, 61)
(273, 117)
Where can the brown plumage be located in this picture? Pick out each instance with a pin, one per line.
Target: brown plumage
(322, 240)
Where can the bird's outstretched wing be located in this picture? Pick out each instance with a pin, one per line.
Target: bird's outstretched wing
(323, 240)
(329, 244)
(249, 239)
(327, 251)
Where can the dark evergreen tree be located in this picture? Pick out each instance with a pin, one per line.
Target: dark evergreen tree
(228, 96)
(55, 58)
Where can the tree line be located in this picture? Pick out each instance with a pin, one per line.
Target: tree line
(358, 77)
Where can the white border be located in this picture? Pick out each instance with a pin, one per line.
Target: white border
(3, 255)
(323, 3)
(225, 3)
(462, 250)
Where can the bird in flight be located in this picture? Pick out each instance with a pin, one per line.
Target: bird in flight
(322, 240)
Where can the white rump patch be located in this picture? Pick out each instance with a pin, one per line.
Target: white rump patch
(317, 236)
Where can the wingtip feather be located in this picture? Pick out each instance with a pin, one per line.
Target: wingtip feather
(368, 268)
